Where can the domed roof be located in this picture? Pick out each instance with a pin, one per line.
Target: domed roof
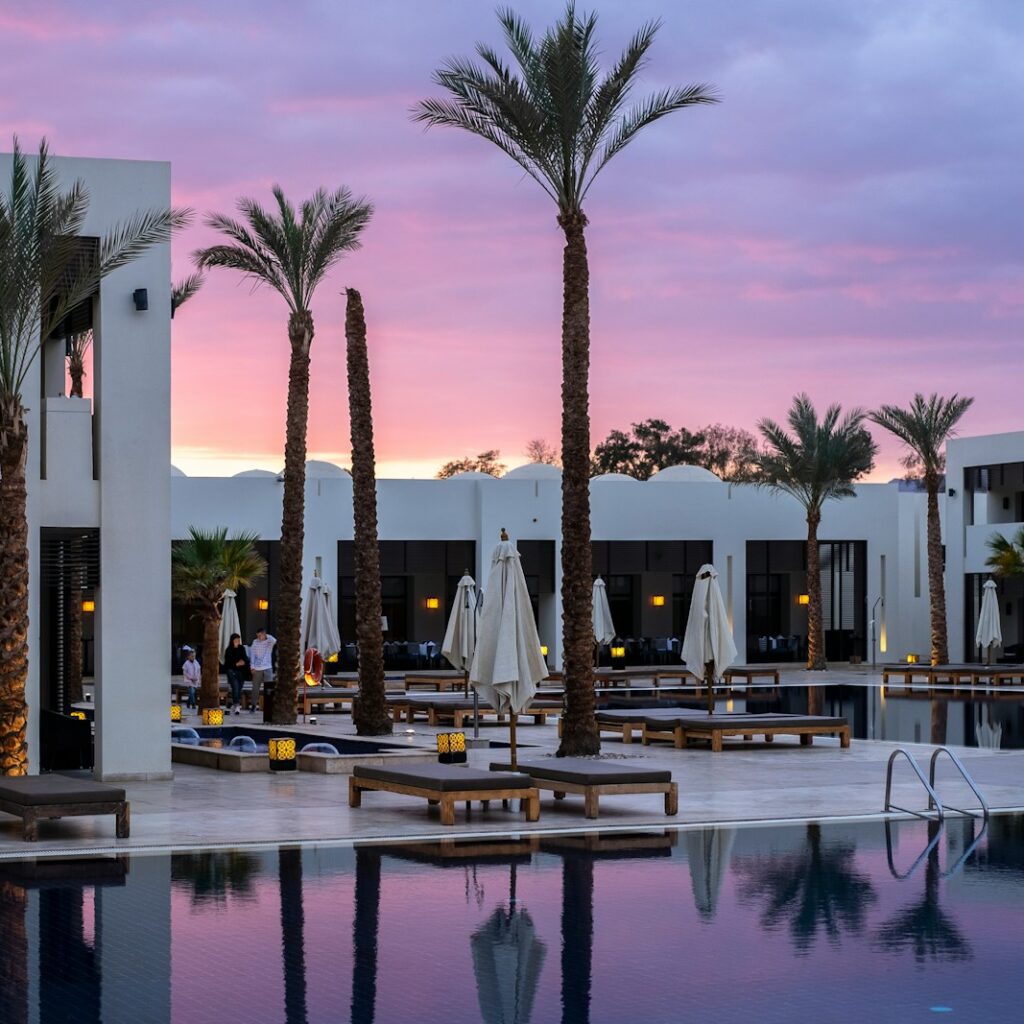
(686, 474)
(316, 469)
(471, 474)
(177, 472)
(256, 473)
(534, 471)
(613, 478)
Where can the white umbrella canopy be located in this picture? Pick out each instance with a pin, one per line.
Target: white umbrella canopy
(459, 642)
(318, 630)
(990, 632)
(707, 854)
(708, 646)
(332, 622)
(229, 622)
(508, 663)
(604, 628)
(507, 959)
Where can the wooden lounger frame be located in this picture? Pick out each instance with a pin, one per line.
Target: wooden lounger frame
(680, 735)
(31, 814)
(592, 792)
(446, 798)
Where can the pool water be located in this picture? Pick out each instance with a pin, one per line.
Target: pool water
(836, 923)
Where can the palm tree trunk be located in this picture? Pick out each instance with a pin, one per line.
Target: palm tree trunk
(76, 371)
(13, 588)
(369, 710)
(209, 686)
(289, 614)
(936, 581)
(579, 728)
(815, 626)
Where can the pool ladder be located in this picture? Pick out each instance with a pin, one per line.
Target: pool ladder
(936, 809)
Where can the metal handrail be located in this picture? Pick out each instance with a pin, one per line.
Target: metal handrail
(933, 798)
(966, 777)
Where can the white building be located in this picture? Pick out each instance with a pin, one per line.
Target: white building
(98, 489)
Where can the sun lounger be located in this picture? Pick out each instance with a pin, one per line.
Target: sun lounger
(32, 797)
(446, 784)
(626, 721)
(715, 728)
(593, 779)
(748, 673)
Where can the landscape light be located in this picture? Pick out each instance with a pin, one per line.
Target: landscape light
(213, 716)
(88, 605)
(281, 751)
(451, 747)
(175, 712)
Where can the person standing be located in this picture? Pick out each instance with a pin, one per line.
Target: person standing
(236, 664)
(192, 673)
(261, 653)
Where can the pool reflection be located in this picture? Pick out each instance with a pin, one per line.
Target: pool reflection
(653, 926)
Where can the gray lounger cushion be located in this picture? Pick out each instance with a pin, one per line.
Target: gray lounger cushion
(444, 777)
(699, 723)
(584, 771)
(617, 716)
(38, 790)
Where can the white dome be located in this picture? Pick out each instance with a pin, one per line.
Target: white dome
(176, 472)
(316, 469)
(253, 473)
(535, 471)
(613, 478)
(686, 474)
(471, 474)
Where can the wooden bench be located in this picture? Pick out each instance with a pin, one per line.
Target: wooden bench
(438, 683)
(749, 673)
(31, 797)
(446, 784)
(593, 779)
(714, 728)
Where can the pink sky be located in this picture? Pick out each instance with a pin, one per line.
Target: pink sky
(845, 223)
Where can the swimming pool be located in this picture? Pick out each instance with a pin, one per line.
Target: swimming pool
(797, 923)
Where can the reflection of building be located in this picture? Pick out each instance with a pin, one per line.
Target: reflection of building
(649, 539)
(98, 493)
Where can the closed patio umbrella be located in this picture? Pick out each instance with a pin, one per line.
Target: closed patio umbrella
(332, 622)
(708, 647)
(459, 642)
(319, 631)
(707, 855)
(508, 663)
(601, 614)
(990, 632)
(229, 623)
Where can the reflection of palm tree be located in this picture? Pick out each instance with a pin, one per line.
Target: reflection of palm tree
(818, 888)
(293, 940)
(923, 926)
(212, 876)
(14, 962)
(577, 936)
(69, 975)
(365, 930)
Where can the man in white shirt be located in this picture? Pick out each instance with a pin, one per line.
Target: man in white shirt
(261, 663)
(192, 673)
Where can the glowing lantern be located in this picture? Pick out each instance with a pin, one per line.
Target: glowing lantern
(175, 712)
(213, 716)
(451, 747)
(281, 751)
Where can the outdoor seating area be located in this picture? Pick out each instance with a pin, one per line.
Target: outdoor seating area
(955, 675)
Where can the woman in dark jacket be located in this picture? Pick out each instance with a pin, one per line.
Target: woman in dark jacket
(236, 663)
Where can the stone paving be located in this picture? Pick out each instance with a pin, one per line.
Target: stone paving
(746, 783)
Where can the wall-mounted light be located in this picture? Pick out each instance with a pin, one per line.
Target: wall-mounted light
(88, 605)
(803, 599)
(432, 603)
(952, 492)
(658, 600)
(141, 299)
(80, 715)
(263, 604)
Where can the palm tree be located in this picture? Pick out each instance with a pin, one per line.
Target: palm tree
(1006, 556)
(818, 461)
(45, 272)
(552, 113)
(370, 710)
(202, 568)
(925, 427)
(291, 254)
(185, 290)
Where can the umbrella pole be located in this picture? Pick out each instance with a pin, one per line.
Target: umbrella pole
(512, 739)
(465, 682)
(476, 714)
(709, 679)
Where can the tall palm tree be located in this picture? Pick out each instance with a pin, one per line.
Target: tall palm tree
(45, 272)
(1006, 555)
(924, 427)
(553, 113)
(370, 709)
(202, 568)
(820, 460)
(290, 253)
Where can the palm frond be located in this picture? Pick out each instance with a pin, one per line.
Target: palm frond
(185, 290)
(925, 427)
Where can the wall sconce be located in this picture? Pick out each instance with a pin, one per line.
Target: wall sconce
(451, 747)
(952, 492)
(281, 752)
(88, 605)
(432, 603)
(175, 712)
(213, 716)
(803, 599)
(262, 604)
(912, 659)
(141, 299)
(80, 715)
(658, 600)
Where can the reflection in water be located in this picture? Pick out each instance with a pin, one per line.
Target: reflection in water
(213, 876)
(923, 926)
(69, 969)
(293, 939)
(817, 888)
(577, 935)
(14, 956)
(365, 930)
(707, 852)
